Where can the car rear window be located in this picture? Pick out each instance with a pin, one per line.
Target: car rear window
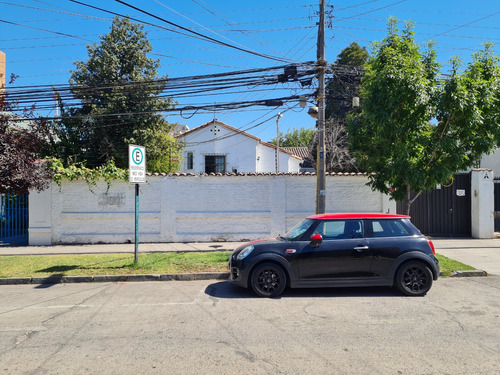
(386, 228)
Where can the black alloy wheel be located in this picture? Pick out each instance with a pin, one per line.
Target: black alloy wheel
(414, 278)
(268, 280)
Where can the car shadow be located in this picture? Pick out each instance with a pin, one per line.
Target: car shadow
(223, 289)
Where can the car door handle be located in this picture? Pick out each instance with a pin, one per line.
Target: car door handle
(360, 249)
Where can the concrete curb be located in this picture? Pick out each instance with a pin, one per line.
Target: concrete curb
(471, 273)
(115, 278)
(157, 277)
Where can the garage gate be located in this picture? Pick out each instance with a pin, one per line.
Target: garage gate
(444, 211)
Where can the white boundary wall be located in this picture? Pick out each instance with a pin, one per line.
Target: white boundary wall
(191, 208)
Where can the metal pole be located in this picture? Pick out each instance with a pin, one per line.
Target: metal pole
(278, 142)
(136, 252)
(321, 184)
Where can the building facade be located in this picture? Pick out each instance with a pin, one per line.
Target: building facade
(216, 147)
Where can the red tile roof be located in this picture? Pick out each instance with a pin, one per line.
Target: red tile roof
(215, 121)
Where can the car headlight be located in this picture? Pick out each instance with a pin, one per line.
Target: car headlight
(245, 252)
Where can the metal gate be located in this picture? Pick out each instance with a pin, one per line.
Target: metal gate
(444, 211)
(497, 204)
(13, 219)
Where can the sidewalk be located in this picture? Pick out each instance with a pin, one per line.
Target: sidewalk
(119, 248)
(481, 254)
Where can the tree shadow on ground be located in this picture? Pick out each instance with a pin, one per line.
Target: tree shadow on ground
(58, 269)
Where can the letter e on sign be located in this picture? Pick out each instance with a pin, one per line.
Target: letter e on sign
(137, 164)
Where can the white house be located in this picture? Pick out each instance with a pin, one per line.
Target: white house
(492, 161)
(216, 147)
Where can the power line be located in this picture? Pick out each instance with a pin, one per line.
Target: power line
(48, 31)
(187, 31)
(201, 35)
(180, 87)
(466, 24)
(225, 20)
(371, 11)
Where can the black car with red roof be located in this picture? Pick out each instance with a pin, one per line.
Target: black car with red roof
(339, 250)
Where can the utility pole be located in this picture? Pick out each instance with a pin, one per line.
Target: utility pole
(320, 165)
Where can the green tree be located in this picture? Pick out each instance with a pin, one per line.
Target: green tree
(354, 55)
(345, 82)
(417, 127)
(295, 138)
(119, 89)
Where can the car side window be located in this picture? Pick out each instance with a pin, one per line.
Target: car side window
(386, 228)
(340, 229)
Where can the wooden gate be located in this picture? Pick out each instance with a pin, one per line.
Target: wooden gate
(444, 211)
(14, 219)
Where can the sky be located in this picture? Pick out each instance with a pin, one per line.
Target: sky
(43, 39)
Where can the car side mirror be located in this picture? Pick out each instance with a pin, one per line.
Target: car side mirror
(316, 240)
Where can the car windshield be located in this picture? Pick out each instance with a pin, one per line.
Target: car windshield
(298, 230)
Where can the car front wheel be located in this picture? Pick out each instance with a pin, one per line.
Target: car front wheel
(268, 280)
(414, 278)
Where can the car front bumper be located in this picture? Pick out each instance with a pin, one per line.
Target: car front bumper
(238, 274)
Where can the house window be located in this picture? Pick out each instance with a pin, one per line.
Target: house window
(215, 164)
(190, 160)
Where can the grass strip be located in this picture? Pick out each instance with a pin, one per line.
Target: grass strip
(112, 264)
(448, 265)
(149, 263)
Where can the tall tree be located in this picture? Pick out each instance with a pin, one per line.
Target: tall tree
(118, 87)
(345, 82)
(417, 127)
(354, 55)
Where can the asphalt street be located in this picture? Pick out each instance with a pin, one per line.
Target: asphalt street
(210, 327)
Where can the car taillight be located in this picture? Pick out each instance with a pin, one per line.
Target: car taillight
(432, 246)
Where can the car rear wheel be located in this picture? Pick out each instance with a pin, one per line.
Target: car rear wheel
(414, 278)
(268, 280)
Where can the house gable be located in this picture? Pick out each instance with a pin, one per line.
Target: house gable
(217, 142)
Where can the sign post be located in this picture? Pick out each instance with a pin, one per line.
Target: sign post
(137, 175)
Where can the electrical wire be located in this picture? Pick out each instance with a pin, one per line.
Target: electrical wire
(172, 87)
(49, 31)
(186, 31)
(466, 24)
(226, 20)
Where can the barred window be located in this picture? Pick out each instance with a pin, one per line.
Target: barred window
(215, 164)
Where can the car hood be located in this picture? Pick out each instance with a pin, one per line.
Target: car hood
(259, 243)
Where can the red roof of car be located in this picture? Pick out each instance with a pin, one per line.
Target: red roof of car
(357, 215)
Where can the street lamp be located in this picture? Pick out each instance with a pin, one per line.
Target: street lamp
(313, 112)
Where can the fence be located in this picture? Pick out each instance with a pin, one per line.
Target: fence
(13, 219)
